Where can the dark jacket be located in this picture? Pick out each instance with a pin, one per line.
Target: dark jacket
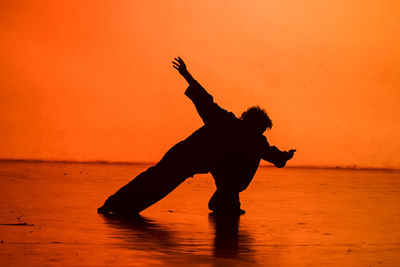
(225, 146)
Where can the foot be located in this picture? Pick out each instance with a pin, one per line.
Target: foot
(229, 212)
(103, 210)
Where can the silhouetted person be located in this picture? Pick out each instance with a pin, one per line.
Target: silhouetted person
(228, 147)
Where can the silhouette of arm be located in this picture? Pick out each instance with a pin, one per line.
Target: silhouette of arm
(208, 110)
(275, 156)
(181, 67)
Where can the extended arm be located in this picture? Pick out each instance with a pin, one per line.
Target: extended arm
(208, 110)
(275, 156)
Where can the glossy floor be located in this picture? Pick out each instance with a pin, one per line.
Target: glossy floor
(294, 217)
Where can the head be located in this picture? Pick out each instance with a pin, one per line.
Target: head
(256, 118)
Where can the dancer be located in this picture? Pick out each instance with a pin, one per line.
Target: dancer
(228, 147)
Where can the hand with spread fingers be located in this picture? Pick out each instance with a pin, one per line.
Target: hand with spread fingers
(180, 66)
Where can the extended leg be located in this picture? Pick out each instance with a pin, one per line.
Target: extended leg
(152, 185)
(143, 191)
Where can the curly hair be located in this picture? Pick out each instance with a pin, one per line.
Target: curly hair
(257, 116)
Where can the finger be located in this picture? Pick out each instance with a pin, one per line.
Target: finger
(176, 64)
(176, 67)
(177, 59)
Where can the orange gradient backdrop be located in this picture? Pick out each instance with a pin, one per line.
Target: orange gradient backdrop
(92, 80)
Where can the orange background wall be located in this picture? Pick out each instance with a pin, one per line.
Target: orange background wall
(92, 80)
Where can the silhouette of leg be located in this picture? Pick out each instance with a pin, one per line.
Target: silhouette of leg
(224, 201)
(153, 184)
(143, 191)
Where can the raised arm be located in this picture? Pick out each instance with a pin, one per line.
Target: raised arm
(208, 110)
(275, 156)
(181, 67)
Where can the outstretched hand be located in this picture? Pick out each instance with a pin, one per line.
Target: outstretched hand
(180, 66)
(290, 153)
